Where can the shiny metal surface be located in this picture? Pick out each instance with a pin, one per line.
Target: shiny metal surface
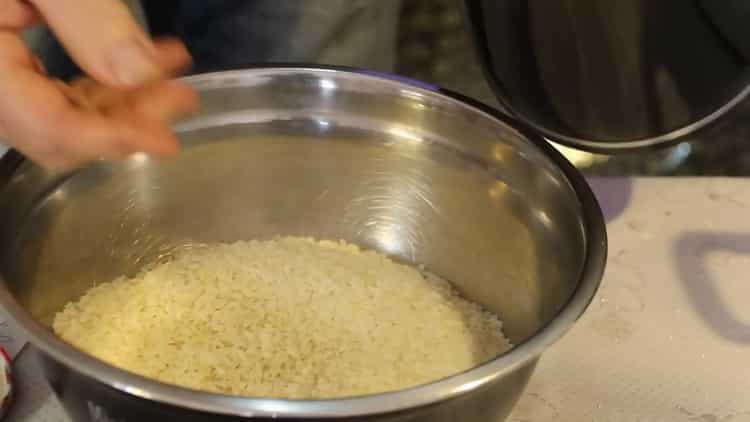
(611, 76)
(386, 163)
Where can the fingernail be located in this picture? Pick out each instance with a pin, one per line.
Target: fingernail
(133, 64)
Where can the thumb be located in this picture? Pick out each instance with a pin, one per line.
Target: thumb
(103, 38)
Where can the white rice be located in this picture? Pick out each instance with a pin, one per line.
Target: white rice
(287, 318)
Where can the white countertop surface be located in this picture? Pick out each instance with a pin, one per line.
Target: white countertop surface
(666, 339)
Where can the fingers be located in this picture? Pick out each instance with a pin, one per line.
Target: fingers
(40, 121)
(125, 108)
(124, 135)
(104, 39)
(161, 101)
(173, 57)
(164, 102)
(16, 15)
(14, 51)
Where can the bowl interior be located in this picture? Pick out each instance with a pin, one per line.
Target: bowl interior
(335, 155)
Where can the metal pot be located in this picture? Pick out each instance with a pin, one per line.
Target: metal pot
(616, 76)
(418, 173)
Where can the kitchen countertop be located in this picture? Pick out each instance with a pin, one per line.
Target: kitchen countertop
(666, 339)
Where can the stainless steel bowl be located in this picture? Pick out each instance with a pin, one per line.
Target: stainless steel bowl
(390, 164)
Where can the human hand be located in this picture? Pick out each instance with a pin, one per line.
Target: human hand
(124, 107)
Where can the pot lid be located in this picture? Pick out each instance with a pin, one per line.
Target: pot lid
(613, 76)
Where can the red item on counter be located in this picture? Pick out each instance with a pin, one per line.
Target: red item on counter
(6, 382)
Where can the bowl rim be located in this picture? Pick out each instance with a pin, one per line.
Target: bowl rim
(526, 352)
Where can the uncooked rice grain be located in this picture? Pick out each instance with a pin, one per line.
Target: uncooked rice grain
(285, 318)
